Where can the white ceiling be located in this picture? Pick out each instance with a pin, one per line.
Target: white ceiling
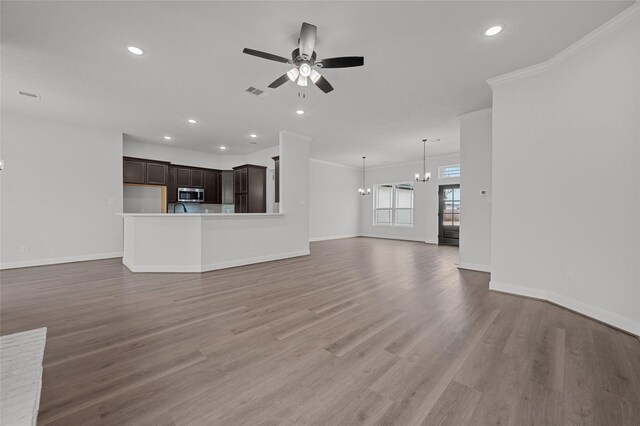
(425, 64)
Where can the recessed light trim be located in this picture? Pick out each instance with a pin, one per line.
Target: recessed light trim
(192, 121)
(493, 31)
(253, 135)
(135, 50)
(168, 138)
(300, 112)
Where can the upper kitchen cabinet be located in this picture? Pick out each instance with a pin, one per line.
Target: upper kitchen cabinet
(133, 170)
(157, 173)
(189, 177)
(172, 187)
(144, 172)
(183, 177)
(250, 187)
(240, 179)
(212, 186)
(197, 178)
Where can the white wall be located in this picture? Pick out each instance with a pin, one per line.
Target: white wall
(61, 188)
(173, 154)
(475, 175)
(334, 203)
(425, 211)
(566, 177)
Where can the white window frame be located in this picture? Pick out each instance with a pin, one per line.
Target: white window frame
(393, 207)
(442, 169)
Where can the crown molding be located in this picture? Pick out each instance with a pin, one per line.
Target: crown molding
(411, 163)
(595, 35)
(329, 163)
(474, 114)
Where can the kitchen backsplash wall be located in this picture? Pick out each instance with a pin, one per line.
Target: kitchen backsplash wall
(202, 208)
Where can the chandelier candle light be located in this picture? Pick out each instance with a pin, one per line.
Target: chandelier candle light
(426, 176)
(362, 190)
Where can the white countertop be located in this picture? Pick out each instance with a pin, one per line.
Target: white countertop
(207, 215)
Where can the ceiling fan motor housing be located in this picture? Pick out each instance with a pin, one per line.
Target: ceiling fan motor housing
(298, 59)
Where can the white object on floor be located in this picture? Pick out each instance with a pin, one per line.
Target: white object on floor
(21, 376)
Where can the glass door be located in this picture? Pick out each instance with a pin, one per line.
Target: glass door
(449, 215)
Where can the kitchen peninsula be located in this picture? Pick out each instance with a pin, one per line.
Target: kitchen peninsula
(199, 242)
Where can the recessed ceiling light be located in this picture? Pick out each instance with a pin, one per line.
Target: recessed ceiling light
(299, 112)
(192, 121)
(495, 30)
(253, 135)
(222, 147)
(168, 138)
(135, 50)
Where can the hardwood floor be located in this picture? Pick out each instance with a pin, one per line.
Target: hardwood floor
(362, 331)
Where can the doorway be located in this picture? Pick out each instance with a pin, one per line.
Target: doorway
(449, 215)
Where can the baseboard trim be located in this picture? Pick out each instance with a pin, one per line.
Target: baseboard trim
(334, 237)
(393, 237)
(435, 242)
(213, 266)
(474, 267)
(616, 321)
(57, 260)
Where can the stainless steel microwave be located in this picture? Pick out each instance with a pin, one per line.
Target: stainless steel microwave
(190, 195)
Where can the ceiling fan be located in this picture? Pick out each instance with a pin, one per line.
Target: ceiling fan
(304, 60)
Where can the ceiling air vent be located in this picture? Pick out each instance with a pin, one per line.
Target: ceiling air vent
(257, 92)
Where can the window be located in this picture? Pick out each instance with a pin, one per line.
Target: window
(393, 204)
(448, 172)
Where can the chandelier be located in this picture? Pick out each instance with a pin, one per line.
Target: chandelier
(426, 176)
(364, 190)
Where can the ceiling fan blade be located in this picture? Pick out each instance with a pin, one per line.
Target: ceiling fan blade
(323, 84)
(266, 55)
(307, 40)
(280, 81)
(342, 62)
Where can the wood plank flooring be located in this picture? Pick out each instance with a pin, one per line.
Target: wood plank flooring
(363, 331)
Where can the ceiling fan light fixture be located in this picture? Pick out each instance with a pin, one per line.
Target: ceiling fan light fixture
(305, 70)
(302, 81)
(314, 76)
(293, 74)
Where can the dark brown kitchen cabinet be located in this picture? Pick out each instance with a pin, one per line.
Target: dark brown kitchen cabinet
(156, 173)
(250, 187)
(240, 180)
(190, 177)
(133, 170)
(277, 179)
(144, 172)
(240, 201)
(212, 186)
(183, 177)
(197, 178)
(172, 187)
(226, 187)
